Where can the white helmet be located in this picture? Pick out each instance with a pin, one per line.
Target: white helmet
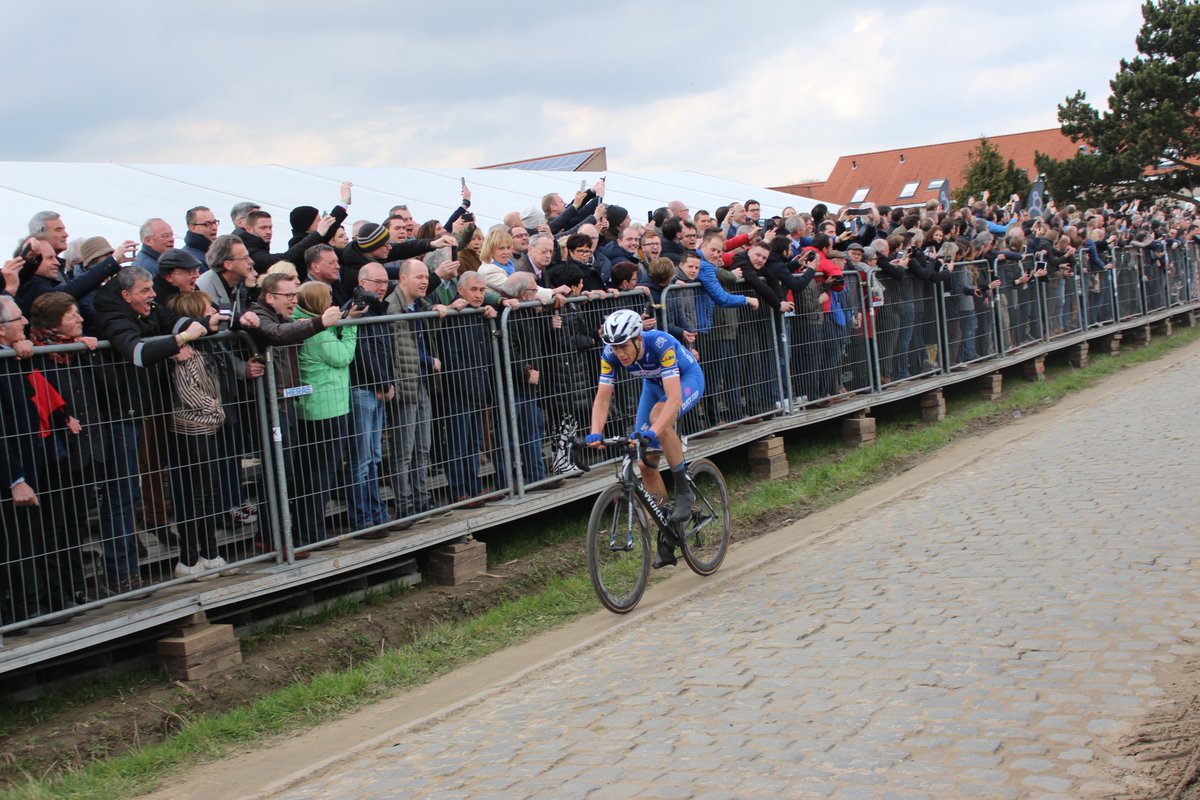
(621, 326)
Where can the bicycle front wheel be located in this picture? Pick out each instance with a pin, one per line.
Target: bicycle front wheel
(618, 545)
(705, 536)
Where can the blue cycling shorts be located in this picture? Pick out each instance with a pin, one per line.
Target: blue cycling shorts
(653, 393)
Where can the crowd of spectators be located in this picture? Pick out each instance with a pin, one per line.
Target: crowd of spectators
(160, 422)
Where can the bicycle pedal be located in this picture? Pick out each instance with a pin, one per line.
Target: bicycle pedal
(620, 548)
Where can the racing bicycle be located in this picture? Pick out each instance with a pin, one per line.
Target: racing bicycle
(618, 538)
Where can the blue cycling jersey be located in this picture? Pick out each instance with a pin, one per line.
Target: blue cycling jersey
(663, 356)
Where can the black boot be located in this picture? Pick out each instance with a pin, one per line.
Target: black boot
(684, 498)
(666, 553)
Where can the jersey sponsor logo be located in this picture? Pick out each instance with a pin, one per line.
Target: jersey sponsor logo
(668, 358)
(605, 367)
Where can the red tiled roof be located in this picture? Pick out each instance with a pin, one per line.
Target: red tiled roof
(887, 172)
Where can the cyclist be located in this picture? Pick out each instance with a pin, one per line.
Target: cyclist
(672, 382)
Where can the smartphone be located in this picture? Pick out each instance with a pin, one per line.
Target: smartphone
(454, 252)
(583, 185)
(463, 181)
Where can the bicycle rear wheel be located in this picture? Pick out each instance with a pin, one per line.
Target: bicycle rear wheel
(618, 545)
(705, 536)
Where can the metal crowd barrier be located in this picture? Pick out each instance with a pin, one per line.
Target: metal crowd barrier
(471, 407)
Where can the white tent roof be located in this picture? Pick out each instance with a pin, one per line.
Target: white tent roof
(113, 200)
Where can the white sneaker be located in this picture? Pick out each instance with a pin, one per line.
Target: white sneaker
(182, 570)
(218, 563)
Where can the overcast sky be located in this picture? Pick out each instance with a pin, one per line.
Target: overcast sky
(764, 93)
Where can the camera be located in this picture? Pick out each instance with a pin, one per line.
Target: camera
(468, 217)
(361, 298)
(857, 212)
(224, 316)
(31, 257)
(837, 283)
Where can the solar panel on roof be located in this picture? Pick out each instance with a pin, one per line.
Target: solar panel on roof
(565, 163)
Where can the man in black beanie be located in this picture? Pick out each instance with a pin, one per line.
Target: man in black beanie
(373, 245)
(304, 221)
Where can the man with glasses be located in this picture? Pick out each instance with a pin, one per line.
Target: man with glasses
(372, 387)
(201, 231)
(579, 250)
(520, 237)
(600, 262)
(276, 301)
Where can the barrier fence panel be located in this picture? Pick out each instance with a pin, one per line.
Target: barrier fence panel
(1020, 303)
(967, 301)
(552, 360)
(900, 326)
(1064, 302)
(1155, 279)
(829, 353)
(757, 346)
(1128, 279)
(137, 471)
(1099, 297)
(735, 346)
(1177, 274)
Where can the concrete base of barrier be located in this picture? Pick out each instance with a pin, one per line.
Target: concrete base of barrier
(933, 406)
(1077, 355)
(1035, 368)
(858, 429)
(1162, 327)
(768, 460)
(200, 650)
(1140, 334)
(1187, 319)
(991, 387)
(456, 563)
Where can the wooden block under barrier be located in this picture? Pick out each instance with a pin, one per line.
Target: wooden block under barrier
(199, 651)
(1077, 355)
(769, 468)
(1162, 327)
(991, 387)
(1035, 368)
(210, 668)
(766, 448)
(1140, 334)
(858, 430)
(453, 564)
(198, 657)
(933, 406)
(1186, 320)
(195, 639)
(1110, 345)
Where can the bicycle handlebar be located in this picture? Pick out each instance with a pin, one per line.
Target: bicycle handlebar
(614, 441)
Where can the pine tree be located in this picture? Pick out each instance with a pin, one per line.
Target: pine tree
(985, 170)
(1153, 119)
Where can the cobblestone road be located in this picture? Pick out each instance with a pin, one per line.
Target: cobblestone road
(989, 636)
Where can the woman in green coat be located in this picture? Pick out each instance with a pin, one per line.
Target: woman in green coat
(323, 413)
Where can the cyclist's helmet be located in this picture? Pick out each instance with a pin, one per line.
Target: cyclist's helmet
(621, 326)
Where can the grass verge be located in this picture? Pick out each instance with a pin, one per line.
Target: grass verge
(831, 474)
